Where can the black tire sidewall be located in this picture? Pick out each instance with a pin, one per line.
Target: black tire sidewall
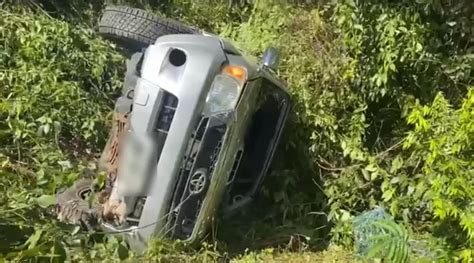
(135, 29)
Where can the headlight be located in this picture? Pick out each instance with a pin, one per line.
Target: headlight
(225, 90)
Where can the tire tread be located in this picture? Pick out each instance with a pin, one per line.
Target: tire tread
(138, 27)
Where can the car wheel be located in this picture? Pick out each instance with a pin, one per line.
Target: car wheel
(136, 29)
(78, 191)
(73, 207)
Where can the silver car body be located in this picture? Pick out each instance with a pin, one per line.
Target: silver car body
(189, 84)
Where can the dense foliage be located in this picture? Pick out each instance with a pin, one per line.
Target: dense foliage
(385, 93)
(384, 115)
(57, 83)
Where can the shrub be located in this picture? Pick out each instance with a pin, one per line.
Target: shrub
(57, 82)
(383, 95)
(355, 70)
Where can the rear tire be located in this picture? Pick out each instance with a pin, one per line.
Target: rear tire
(77, 191)
(73, 207)
(136, 29)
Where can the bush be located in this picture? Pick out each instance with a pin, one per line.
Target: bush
(383, 95)
(399, 59)
(380, 90)
(57, 84)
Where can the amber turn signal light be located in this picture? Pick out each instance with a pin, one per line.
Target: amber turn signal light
(236, 71)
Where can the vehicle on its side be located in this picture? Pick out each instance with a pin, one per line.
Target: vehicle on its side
(195, 129)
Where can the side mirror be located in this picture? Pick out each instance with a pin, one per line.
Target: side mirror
(271, 58)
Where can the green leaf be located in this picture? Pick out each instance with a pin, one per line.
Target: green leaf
(65, 164)
(122, 251)
(99, 181)
(397, 163)
(45, 201)
(451, 23)
(75, 230)
(382, 18)
(371, 168)
(374, 175)
(366, 175)
(395, 180)
(60, 251)
(33, 239)
(25, 253)
(358, 27)
(393, 249)
(419, 47)
(376, 250)
(388, 194)
(46, 128)
(405, 252)
(345, 216)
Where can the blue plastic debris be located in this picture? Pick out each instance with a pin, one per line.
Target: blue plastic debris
(364, 229)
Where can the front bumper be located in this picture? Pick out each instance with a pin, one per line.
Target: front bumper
(168, 141)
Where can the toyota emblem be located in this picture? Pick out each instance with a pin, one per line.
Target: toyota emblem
(198, 182)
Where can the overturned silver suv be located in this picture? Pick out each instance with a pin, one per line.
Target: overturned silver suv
(194, 134)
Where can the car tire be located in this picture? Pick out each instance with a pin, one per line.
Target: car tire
(135, 28)
(72, 205)
(76, 192)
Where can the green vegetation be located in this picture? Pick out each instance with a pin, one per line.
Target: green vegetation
(384, 115)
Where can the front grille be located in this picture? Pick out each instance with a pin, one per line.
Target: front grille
(200, 158)
(165, 118)
(166, 113)
(168, 105)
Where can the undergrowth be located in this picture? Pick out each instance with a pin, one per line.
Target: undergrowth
(383, 116)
